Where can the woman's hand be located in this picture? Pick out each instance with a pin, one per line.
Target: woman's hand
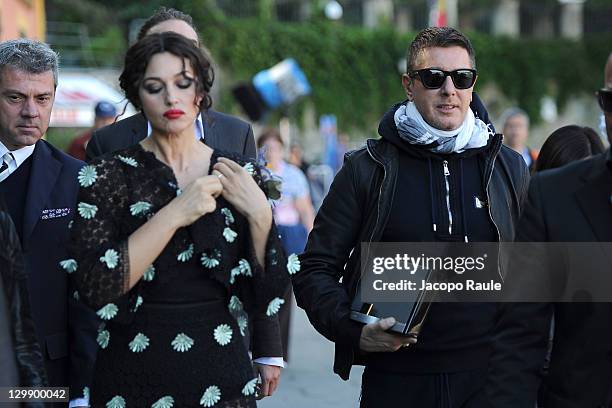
(148, 241)
(241, 190)
(244, 194)
(197, 199)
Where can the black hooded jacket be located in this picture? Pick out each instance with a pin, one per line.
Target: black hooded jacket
(359, 208)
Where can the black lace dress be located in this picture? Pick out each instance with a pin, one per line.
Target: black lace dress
(174, 339)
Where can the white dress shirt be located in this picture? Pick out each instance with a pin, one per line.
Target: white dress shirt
(199, 128)
(20, 156)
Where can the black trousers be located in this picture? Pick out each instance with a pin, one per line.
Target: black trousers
(382, 389)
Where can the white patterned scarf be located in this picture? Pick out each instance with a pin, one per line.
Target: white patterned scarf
(473, 132)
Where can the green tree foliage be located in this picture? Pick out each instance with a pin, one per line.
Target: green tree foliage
(80, 11)
(354, 71)
(526, 69)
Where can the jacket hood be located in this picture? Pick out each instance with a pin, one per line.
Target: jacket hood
(387, 129)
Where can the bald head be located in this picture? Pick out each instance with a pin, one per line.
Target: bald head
(608, 85)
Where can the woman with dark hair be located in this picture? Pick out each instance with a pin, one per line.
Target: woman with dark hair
(172, 239)
(568, 144)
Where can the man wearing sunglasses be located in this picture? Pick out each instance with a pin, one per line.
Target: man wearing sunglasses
(438, 174)
(569, 204)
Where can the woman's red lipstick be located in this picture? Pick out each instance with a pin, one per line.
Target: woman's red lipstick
(173, 113)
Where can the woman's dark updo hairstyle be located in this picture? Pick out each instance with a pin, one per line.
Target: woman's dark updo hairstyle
(139, 55)
(568, 144)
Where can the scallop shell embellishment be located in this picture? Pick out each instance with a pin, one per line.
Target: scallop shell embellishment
(250, 387)
(229, 217)
(182, 343)
(211, 396)
(87, 211)
(211, 260)
(235, 305)
(274, 306)
(139, 344)
(243, 323)
(229, 234)
(137, 304)
(110, 258)
(128, 160)
(116, 402)
(293, 264)
(103, 338)
(69, 265)
(140, 208)
(149, 274)
(249, 168)
(108, 311)
(164, 402)
(186, 254)
(243, 268)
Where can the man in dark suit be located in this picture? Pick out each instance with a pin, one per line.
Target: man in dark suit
(40, 186)
(568, 204)
(219, 131)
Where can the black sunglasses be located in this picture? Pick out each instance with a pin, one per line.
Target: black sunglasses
(604, 96)
(434, 78)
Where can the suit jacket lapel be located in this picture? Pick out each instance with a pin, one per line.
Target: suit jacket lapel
(44, 174)
(595, 201)
(211, 138)
(139, 129)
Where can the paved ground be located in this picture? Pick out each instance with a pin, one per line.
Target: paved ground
(308, 381)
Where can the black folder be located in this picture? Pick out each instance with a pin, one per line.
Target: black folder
(409, 314)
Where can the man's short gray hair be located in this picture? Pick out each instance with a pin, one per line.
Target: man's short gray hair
(512, 112)
(30, 56)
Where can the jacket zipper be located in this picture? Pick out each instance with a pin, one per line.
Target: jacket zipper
(489, 211)
(448, 206)
(379, 196)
